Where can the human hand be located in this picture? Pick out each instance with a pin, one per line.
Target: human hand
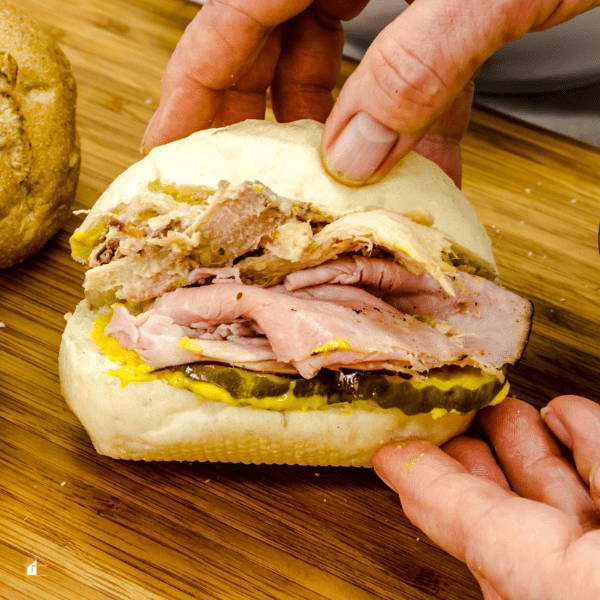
(540, 541)
(414, 85)
(232, 51)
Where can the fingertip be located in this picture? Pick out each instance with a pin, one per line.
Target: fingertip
(357, 154)
(565, 415)
(395, 461)
(561, 402)
(555, 424)
(491, 415)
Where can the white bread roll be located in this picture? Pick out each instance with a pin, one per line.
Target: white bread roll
(156, 421)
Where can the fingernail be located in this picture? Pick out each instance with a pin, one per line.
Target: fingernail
(556, 426)
(143, 142)
(359, 149)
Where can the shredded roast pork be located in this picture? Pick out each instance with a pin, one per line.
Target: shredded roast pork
(156, 243)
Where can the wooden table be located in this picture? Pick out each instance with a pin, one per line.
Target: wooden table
(101, 529)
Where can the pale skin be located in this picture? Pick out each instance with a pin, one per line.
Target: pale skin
(413, 88)
(526, 523)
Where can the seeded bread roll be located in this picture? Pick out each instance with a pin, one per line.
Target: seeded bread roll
(39, 148)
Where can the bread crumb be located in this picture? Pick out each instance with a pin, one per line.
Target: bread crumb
(527, 191)
(63, 484)
(573, 200)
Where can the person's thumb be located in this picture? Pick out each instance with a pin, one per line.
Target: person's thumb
(413, 72)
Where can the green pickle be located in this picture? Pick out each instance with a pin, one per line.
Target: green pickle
(460, 390)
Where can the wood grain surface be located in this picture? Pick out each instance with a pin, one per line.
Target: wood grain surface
(104, 529)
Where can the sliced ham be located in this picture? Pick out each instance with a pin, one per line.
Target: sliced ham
(157, 339)
(352, 312)
(308, 329)
(374, 273)
(490, 321)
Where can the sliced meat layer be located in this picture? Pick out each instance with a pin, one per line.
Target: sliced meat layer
(163, 343)
(490, 321)
(309, 329)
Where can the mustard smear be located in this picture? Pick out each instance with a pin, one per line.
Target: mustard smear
(135, 370)
(191, 345)
(331, 346)
(83, 242)
(409, 465)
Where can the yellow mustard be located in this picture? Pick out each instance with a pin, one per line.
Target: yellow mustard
(134, 370)
(83, 242)
(331, 346)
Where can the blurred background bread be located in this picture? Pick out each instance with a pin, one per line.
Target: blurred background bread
(39, 147)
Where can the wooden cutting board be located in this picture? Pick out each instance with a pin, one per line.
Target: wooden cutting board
(94, 528)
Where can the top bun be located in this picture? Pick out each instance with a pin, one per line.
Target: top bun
(285, 157)
(39, 149)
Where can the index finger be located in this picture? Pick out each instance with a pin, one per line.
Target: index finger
(216, 49)
(493, 530)
(580, 420)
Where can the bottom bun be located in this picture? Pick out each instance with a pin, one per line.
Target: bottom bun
(156, 421)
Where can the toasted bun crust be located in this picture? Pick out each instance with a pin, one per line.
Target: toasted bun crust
(39, 152)
(156, 421)
(285, 157)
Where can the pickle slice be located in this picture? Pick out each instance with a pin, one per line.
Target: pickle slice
(461, 389)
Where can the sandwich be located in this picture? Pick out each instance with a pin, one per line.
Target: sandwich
(242, 306)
